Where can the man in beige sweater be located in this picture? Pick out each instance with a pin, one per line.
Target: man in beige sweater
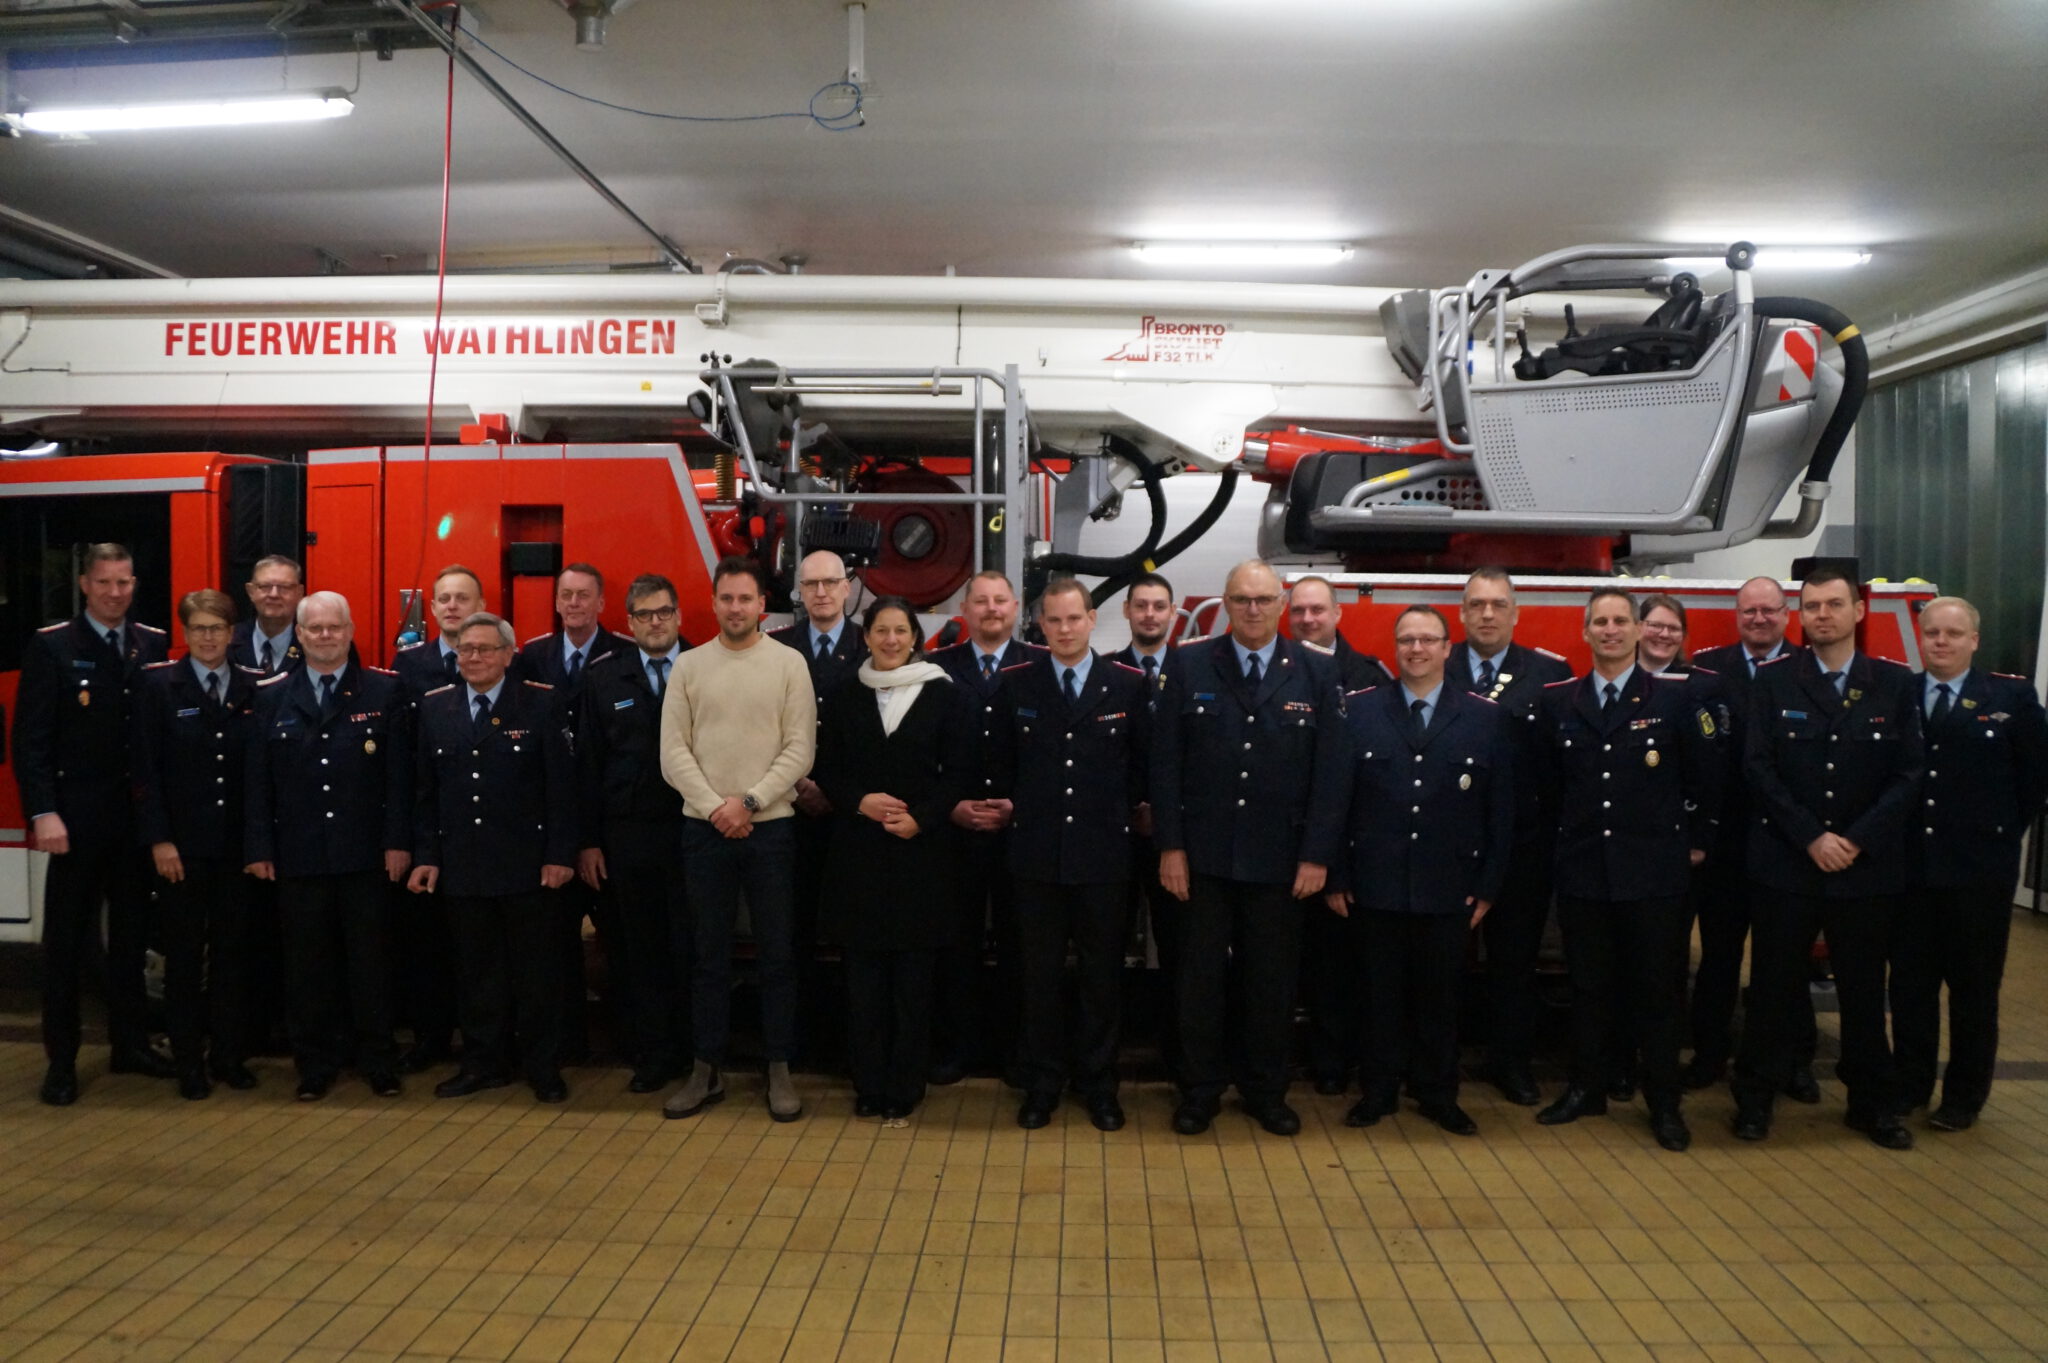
(738, 725)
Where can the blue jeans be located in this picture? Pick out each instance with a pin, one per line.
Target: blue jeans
(716, 869)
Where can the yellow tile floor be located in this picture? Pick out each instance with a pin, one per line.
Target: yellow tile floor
(135, 1226)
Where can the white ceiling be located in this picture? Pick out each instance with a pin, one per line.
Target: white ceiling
(1037, 137)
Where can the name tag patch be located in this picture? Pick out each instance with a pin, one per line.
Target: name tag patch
(625, 704)
(187, 714)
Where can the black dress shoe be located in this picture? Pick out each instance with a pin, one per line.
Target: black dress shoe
(1752, 1122)
(1105, 1113)
(420, 1059)
(1622, 1090)
(236, 1076)
(867, 1108)
(145, 1061)
(947, 1073)
(1802, 1087)
(1517, 1086)
(60, 1086)
(1193, 1115)
(647, 1081)
(383, 1083)
(1330, 1085)
(897, 1112)
(1575, 1103)
(1669, 1127)
(313, 1087)
(1947, 1118)
(1275, 1117)
(553, 1089)
(1883, 1129)
(1036, 1112)
(464, 1082)
(1699, 1074)
(192, 1085)
(1451, 1118)
(1367, 1111)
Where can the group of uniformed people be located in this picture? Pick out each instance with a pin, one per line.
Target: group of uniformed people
(1303, 821)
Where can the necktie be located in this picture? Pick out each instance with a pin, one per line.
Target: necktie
(213, 688)
(1073, 691)
(657, 672)
(988, 667)
(269, 658)
(1486, 675)
(575, 665)
(114, 641)
(1608, 695)
(1835, 681)
(448, 665)
(1151, 669)
(1754, 662)
(1941, 703)
(326, 693)
(483, 714)
(1251, 668)
(824, 648)
(1420, 709)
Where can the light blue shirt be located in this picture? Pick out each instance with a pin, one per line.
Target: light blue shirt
(1620, 685)
(1955, 691)
(570, 652)
(647, 661)
(1080, 669)
(1428, 702)
(472, 693)
(280, 643)
(982, 657)
(1265, 656)
(1755, 662)
(811, 633)
(202, 671)
(1841, 679)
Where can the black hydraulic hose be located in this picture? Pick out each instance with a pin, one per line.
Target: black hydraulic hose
(1855, 373)
(1226, 487)
(1149, 473)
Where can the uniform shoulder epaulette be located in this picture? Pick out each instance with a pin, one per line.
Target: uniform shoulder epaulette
(147, 629)
(446, 686)
(1538, 648)
(252, 671)
(273, 679)
(1126, 667)
(1016, 667)
(1361, 691)
(1323, 649)
(2014, 676)
(1036, 648)
(1474, 695)
(52, 629)
(1199, 639)
(151, 667)
(1670, 676)
(529, 643)
(1773, 662)
(1888, 663)
(539, 686)
(1707, 671)
(380, 671)
(1568, 681)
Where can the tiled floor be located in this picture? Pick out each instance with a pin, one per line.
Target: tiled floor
(139, 1227)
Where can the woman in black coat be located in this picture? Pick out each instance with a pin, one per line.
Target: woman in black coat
(894, 757)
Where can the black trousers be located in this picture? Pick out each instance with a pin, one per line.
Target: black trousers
(813, 846)
(1411, 965)
(975, 1012)
(338, 960)
(1626, 952)
(889, 1023)
(645, 862)
(1721, 905)
(1862, 938)
(1953, 935)
(717, 870)
(207, 962)
(1512, 933)
(511, 982)
(425, 945)
(1260, 926)
(1095, 918)
(568, 907)
(1329, 984)
(76, 884)
(1163, 914)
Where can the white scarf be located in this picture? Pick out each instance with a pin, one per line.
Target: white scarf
(896, 690)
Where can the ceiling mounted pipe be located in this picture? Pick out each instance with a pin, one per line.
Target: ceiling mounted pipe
(591, 16)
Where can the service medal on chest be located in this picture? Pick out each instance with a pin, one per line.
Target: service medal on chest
(369, 745)
(1652, 757)
(1465, 781)
(85, 697)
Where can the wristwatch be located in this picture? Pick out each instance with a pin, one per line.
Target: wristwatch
(753, 805)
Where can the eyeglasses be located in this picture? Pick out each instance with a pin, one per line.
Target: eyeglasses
(652, 615)
(1420, 640)
(1760, 612)
(273, 588)
(479, 650)
(1264, 603)
(206, 630)
(820, 584)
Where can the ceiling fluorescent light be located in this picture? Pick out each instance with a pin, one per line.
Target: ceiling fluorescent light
(210, 113)
(1241, 252)
(1792, 258)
